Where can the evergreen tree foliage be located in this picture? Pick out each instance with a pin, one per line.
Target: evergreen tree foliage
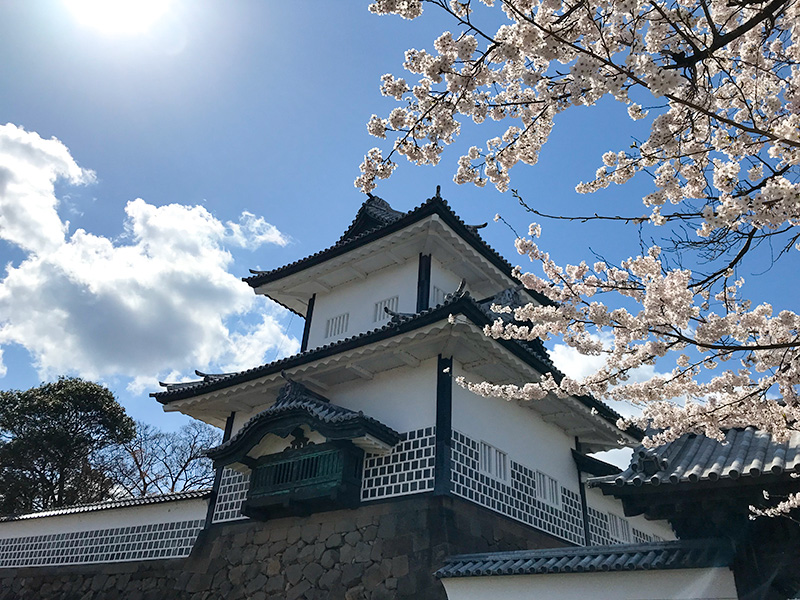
(55, 442)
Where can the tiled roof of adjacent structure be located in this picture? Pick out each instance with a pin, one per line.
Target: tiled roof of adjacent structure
(533, 353)
(745, 453)
(111, 504)
(295, 397)
(376, 219)
(628, 557)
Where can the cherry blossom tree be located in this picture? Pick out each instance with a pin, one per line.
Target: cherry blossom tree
(722, 82)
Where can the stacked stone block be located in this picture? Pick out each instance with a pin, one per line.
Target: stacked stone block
(377, 551)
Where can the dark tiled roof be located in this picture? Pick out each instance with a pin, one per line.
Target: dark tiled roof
(534, 353)
(398, 324)
(630, 557)
(376, 219)
(111, 504)
(745, 453)
(373, 214)
(294, 397)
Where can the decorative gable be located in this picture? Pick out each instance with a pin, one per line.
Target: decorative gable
(320, 468)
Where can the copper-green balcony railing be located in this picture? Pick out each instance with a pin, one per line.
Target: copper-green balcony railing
(326, 475)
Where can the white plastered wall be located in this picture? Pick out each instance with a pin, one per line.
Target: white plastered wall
(403, 398)
(517, 430)
(527, 439)
(241, 417)
(678, 584)
(358, 298)
(442, 278)
(165, 512)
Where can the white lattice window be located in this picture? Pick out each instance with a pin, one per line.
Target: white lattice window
(547, 489)
(231, 495)
(380, 314)
(619, 528)
(438, 295)
(337, 325)
(493, 462)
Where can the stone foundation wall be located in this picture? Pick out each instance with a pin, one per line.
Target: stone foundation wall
(377, 551)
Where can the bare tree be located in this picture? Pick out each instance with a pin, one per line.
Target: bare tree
(162, 462)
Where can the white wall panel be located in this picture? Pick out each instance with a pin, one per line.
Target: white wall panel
(678, 584)
(515, 429)
(358, 298)
(402, 398)
(164, 512)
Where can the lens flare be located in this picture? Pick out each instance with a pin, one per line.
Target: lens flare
(118, 16)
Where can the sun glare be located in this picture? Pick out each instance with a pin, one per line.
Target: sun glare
(118, 16)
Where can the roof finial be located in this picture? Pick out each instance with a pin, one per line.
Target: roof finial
(438, 192)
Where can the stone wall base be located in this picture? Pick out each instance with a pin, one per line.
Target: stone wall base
(376, 551)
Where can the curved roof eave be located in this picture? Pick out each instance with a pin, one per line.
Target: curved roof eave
(346, 244)
(464, 305)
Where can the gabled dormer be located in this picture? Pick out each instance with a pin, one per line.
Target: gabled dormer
(386, 262)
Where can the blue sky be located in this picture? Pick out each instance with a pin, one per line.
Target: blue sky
(224, 138)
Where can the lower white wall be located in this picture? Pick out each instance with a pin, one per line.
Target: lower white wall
(164, 512)
(678, 584)
(517, 430)
(403, 398)
(163, 530)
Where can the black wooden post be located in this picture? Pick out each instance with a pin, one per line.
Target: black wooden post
(212, 501)
(307, 326)
(424, 283)
(444, 426)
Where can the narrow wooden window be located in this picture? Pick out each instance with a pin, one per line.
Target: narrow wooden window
(619, 528)
(547, 489)
(337, 325)
(379, 312)
(493, 461)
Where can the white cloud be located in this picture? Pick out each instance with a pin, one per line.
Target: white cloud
(574, 364)
(252, 231)
(160, 298)
(579, 366)
(258, 344)
(29, 166)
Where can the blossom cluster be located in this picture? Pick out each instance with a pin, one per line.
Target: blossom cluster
(725, 75)
(722, 78)
(731, 358)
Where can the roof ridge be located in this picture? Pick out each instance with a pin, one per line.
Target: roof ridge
(695, 458)
(642, 556)
(294, 396)
(344, 241)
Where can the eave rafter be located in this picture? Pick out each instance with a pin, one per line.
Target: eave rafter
(407, 358)
(360, 371)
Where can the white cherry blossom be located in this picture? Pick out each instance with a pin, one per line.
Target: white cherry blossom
(720, 80)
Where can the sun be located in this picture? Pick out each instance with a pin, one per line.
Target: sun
(118, 16)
